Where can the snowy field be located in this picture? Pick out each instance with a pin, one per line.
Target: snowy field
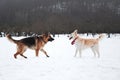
(61, 65)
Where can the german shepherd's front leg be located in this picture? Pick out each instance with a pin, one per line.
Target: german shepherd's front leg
(44, 52)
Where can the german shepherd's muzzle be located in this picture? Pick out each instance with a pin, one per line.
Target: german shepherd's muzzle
(36, 43)
(50, 39)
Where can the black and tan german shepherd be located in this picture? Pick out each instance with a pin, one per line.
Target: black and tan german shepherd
(36, 43)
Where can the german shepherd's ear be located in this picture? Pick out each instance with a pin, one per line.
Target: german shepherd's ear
(47, 34)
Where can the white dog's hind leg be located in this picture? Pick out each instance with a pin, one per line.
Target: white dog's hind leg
(97, 50)
(93, 49)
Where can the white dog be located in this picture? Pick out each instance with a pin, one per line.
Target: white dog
(82, 43)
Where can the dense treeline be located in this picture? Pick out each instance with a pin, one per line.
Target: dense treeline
(60, 16)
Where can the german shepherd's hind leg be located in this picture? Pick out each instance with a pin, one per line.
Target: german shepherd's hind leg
(15, 55)
(20, 50)
(45, 52)
(22, 54)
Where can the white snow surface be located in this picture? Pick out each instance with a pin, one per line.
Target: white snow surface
(61, 65)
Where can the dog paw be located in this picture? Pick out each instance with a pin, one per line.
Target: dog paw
(48, 56)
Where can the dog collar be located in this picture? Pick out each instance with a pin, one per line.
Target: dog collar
(73, 42)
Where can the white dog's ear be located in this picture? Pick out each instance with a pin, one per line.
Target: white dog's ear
(76, 31)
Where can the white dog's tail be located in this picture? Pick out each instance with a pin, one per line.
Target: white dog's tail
(101, 36)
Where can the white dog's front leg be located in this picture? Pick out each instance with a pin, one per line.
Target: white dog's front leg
(80, 52)
(76, 52)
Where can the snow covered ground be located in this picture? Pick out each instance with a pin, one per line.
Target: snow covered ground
(61, 65)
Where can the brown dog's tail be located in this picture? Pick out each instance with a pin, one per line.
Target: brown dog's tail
(11, 39)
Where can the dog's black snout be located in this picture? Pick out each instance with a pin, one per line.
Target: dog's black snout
(51, 39)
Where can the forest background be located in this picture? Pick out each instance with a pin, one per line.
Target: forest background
(60, 16)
